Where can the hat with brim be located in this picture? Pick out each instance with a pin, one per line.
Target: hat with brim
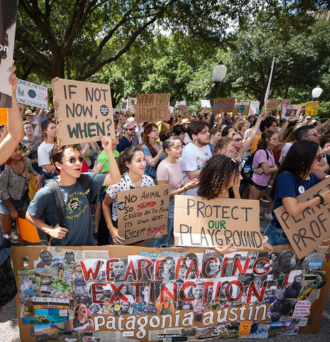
(185, 121)
(29, 112)
(27, 122)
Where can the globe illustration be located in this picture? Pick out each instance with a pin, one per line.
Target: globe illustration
(32, 93)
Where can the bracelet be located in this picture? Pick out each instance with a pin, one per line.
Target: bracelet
(264, 240)
(321, 198)
(184, 189)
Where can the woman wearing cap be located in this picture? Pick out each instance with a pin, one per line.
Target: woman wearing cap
(31, 142)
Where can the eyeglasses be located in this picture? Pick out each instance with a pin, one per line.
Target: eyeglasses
(319, 157)
(130, 129)
(237, 139)
(154, 131)
(73, 160)
(315, 134)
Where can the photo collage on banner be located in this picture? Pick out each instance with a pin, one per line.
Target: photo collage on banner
(169, 294)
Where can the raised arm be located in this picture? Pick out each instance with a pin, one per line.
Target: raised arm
(14, 124)
(113, 176)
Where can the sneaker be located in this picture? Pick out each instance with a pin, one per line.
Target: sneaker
(268, 216)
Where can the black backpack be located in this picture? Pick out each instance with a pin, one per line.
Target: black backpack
(247, 170)
(58, 199)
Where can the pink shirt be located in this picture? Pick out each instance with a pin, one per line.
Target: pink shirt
(171, 173)
(259, 158)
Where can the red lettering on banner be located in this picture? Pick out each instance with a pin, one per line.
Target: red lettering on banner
(96, 292)
(238, 266)
(117, 293)
(266, 269)
(193, 268)
(252, 288)
(87, 273)
(137, 290)
(109, 269)
(180, 266)
(185, 286)
(164, 289)
(227, 290)
(144, 268)
(130, 271)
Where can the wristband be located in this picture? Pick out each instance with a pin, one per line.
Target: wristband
(264, 240)
(321, 198)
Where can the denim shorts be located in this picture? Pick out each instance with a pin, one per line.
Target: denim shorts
(258, 187)
(20, 205)
(276, 236)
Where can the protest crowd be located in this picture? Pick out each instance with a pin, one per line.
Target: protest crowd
(199, 154)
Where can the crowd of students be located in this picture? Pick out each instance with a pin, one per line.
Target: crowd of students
(199, 155)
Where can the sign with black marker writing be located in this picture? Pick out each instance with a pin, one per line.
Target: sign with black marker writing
(142, 213)
(84, 111)
(152, 107)
(307, 230)
(214, 223)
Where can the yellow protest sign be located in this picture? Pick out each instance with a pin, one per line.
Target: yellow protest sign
(311, 108)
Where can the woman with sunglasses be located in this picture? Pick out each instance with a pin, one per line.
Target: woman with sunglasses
(132, 164)
(240, 147)
(293, 178)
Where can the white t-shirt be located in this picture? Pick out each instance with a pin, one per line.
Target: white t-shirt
(285, 151)
(193, 159)
(44, 154)
(186, 140)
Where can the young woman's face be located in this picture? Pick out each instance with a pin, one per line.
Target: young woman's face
(273, 141)
(82, 310)
(138, 163)
(51, 130)
(17, 154)
(245, 127)
(175, 150)
(214, 265)
(118, 268)
(182, 136)
(124, 290)
(154, 134)
(230, 147)
(237, 141)
(28, 129)
(317, 163)
(168, 265)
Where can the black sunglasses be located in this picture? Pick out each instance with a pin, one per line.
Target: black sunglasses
(73, 160)
(237, 139)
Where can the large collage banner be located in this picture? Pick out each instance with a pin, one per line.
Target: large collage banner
(134, 293)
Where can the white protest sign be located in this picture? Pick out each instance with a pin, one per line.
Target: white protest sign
(206, 103)
(31, 94)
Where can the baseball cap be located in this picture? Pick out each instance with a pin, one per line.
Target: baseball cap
(308, 117)
(128, 126)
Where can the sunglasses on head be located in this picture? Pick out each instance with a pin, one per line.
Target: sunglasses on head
(73, 160)
(319, 157)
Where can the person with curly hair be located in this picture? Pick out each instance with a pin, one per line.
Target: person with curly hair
(220, 178)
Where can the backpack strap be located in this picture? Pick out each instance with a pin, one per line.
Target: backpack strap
(83, 181)
(59, 202)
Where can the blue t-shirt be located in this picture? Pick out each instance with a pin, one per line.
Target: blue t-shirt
(78, 214)
(123, 144)
(212, 148)
(151, 171)
(287, 186)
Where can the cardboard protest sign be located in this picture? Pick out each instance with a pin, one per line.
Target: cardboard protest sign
(8, 10)
(241, 108)
(145, 293)
(307, 230)
(223, 105)
(183, 110)
(284, 102)
(31, 94)
(3, 116)
(143, 212)
(254, 107)
(216, 222)
(272, 104)
(206, 103)
(311, 108)
(84, 111)
(152, 107)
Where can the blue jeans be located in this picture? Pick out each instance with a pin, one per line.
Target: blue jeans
(276, 236)
(163, 242)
